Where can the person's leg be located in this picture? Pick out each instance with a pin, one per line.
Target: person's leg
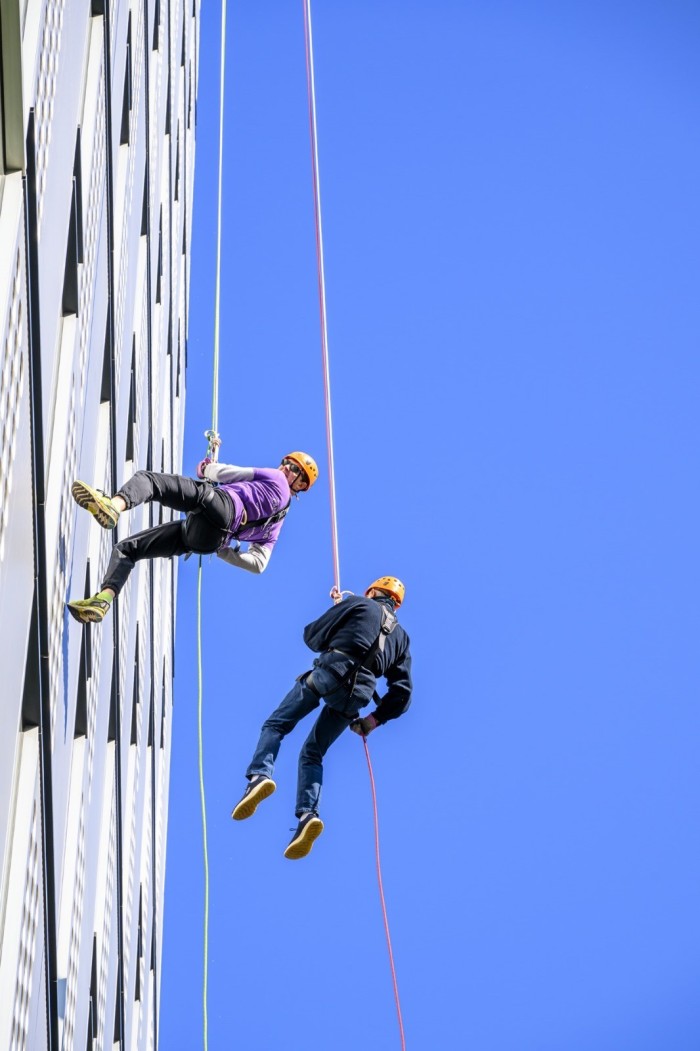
(160, 542)
(202, 531)
(171, 490)
(327, 729)
(299, 702)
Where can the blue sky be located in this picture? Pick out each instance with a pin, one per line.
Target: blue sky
(512, 234)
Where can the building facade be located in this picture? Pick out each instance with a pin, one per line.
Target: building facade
(97, 128)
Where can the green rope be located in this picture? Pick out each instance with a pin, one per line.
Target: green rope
(214, 454)
(202, 797)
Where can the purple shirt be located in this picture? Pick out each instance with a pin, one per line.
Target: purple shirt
(265, 495)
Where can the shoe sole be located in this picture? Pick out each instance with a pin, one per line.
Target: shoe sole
(300, 847)
(248, 806)
(85, 615)
(87, 498)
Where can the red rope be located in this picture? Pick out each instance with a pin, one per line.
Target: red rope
(381, 895)
(308, 40)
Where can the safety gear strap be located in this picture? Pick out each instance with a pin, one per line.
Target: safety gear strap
(388, 624)
(277, 517)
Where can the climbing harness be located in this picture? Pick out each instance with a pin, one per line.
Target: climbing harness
(388, 624)
(265, 522)
(214, 441)
(336, 592)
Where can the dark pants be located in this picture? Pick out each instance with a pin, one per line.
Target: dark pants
(209, 516)
(331, 722)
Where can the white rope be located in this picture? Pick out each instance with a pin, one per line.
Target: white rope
(321, 282)
(215, 425)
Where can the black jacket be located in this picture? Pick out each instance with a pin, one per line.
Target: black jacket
(353, 626)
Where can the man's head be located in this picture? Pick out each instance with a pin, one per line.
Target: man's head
(300, 470)
(387, 587)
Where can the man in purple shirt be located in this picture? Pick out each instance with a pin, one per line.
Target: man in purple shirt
(224, 505)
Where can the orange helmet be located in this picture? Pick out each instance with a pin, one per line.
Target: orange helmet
(392, 586)
(307, 465)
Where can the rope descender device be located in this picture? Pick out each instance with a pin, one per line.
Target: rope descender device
(337, 595)
(214, 441)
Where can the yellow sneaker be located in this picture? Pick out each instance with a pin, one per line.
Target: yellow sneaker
(97, 503)
(88, 610)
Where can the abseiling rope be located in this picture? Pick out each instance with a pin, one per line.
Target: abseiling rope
(311, 91)
(311, 88)
(381, 892)
(215, 425)
(202, 799)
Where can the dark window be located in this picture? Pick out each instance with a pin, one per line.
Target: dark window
(106, 387)
(117, 1037)
(159, 275)
(167, 107)
(150, 721)
(126, 103)
(84, 670)
(74, 248)
(32, 686)
(92, 1006)
(139, 947)
(156, 25)
(136, 693)
(131, 419)
(162, 711)
(184, 230)
(144, 210)
(112, 721)
(11, 108)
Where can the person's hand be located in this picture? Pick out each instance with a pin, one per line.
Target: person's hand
(202, 465)
(336, 595)
(364, 725)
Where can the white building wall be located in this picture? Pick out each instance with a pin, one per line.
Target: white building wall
(86, 713)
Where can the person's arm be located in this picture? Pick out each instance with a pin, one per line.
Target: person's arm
(397, 698)
(255, 559)
(228, 472)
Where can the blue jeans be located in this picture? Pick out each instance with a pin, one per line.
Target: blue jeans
(328, 727)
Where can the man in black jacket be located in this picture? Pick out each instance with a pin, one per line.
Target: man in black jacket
(358, 640)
